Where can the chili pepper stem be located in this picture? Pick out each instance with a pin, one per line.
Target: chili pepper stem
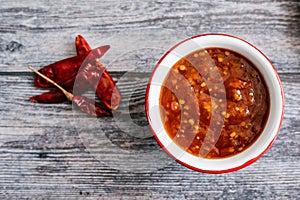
(67, 94)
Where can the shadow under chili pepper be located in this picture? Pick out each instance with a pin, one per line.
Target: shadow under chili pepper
(123, 141)
(130, 117)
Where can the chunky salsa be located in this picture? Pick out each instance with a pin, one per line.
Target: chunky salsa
(214, 103)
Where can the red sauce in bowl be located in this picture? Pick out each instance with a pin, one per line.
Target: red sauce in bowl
(214, 103)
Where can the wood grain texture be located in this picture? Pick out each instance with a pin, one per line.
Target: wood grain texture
(45, 150)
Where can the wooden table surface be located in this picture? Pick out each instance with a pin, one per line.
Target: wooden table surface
(51, 151)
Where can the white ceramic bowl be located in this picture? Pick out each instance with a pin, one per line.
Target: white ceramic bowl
(268, 71)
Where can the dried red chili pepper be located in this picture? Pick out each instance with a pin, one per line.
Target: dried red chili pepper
(66, 69)
(104, 85)
(82, 46)
(106, 88)
(97, 76)
(83, 103)
(53, 96)
(56, 96)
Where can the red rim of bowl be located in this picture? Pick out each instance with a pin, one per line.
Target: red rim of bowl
(186, 164)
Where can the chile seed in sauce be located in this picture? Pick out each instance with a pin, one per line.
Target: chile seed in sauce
(214, 103)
